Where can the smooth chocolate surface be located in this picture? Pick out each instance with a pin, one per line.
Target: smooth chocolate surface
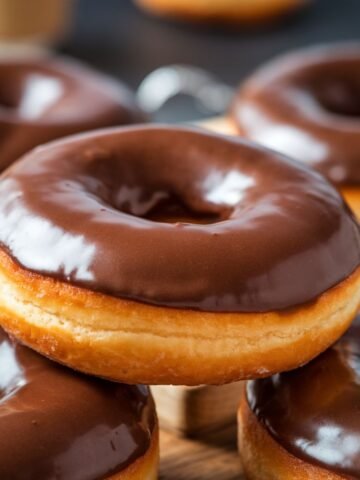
(55, 423)
(47, 98)
(306, 104)
(314, 411)
(178, 217)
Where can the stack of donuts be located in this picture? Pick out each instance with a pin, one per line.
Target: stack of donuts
(305, 423)
(56, 423)
(151, 254)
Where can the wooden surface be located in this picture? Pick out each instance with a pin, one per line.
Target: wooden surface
(184, 459)
(190, 411)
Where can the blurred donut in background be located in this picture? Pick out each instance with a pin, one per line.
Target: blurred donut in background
(222, 11)
(306, 104)
(42, 99)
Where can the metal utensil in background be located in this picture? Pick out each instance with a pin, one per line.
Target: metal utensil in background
(210, 96)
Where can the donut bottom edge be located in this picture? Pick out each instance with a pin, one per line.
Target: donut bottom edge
(133, 342)
(263, 458)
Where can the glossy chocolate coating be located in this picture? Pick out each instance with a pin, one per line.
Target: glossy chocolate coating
(47, 98)
(307, 105)
(180, 218)
(55, 423)
(313, 412)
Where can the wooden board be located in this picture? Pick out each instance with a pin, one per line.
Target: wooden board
(184, 459)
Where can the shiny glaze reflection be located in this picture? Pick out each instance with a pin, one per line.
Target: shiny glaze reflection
(178, 218)
(44, 99)
(55, 423)
(314, 411)
(307, 105)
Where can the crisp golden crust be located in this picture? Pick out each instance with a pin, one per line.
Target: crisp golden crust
(145, 467)
(134, 342)
(264, 459)
(233, 11)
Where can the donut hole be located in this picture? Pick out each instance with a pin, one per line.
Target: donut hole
(339, 95)
(159, 206)
(172, 210)
(146, 191)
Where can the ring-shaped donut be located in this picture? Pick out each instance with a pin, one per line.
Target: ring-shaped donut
(306, 104)
(150, 245)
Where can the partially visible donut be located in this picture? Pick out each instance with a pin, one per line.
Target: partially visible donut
(306, 104)
(168, 255)
(45, 98)
(305, 424)
(228, 11)
(56, 423)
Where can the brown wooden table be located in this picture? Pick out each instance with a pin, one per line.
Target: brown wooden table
(184, 459)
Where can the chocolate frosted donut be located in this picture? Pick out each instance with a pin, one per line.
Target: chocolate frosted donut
(47, 98)
(306, 423)
(202, 233)
(55, 423)
(306, 104)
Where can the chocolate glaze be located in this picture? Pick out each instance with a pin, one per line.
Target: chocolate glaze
(179, 218)
(55, 423)
(307, 105)
(44, 99)
(313, 412)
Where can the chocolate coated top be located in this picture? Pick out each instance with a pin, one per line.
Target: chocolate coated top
(313, 412)
(178, 217)
(55, 423)
(47, 98)
(307, 105)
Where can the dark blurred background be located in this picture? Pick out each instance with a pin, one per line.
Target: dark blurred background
(114, 36)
